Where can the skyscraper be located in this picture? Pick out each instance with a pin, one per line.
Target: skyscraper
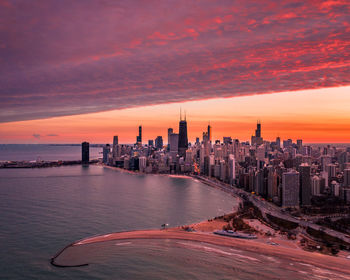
(346, 182)
(278, 142)
(300, 145)
(209, 133)
(106, 150)
(183, 140)
(257, 139)
(115, 147)
(258, 129)
(305, 184)
(159, 142)
(232, 169)
(290, 189)
(85, 153)
(139, 137)
(170, 131)
(174, 143)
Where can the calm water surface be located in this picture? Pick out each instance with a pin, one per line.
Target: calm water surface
(42, 210)
(30, 152)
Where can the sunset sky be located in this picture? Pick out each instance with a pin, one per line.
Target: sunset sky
(87, 70)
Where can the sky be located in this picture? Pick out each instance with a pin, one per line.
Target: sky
(85, 70)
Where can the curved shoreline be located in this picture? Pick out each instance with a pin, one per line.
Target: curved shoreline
(318, 260)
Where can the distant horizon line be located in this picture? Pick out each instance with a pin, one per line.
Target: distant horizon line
(91, 143)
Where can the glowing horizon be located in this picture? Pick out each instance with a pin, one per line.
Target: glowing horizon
(308, 114)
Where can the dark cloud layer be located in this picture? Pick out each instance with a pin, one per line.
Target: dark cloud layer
(70, 57)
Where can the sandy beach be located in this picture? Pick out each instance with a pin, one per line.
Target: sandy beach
(204, 233)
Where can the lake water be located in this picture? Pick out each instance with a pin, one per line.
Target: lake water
(42, 210)
(46, 152)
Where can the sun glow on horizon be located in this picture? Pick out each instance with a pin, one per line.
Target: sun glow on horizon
(319, 115)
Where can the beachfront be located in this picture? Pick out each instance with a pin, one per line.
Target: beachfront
(285, 250)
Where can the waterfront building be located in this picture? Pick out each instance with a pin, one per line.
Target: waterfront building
(232, 169)
(142, 164)
(106, 151)
(305, 184)
(174, 146)
(85, 152)
(115, 148)
(222, 170)
(290, 189)
(206, 166)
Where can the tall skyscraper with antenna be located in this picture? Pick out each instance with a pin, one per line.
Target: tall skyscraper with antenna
(209, 132)
(183, 140)
(139, 137)
(258, 129)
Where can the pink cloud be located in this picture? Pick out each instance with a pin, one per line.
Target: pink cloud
(64, 57)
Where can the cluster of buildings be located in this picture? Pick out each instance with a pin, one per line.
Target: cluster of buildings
(287, 173)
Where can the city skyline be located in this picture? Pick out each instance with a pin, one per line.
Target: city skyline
(310, 115)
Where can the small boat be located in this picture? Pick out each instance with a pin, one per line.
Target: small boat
(235, 234)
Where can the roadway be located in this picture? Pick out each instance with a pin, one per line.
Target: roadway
(268, 208)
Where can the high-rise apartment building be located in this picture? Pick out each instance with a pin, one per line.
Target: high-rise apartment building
(106, 151)
(115, 148)
(232, 169)
(290, 189)
(305, 184)
(315, 185)
(85, 152)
